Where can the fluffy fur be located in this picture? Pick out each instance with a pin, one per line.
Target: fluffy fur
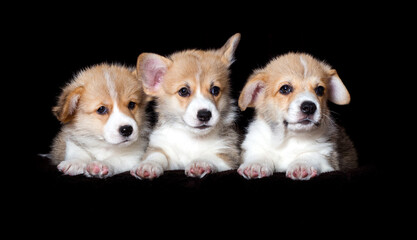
(293, 131)
(104, 128)
(195, 128)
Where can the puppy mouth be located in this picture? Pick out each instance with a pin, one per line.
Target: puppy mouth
(307, 121)
(122, 142)
(125, 141)
(304, 121)
(203, 126)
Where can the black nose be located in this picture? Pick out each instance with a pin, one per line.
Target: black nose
(308, 107)
(204, 115)
(126, 130)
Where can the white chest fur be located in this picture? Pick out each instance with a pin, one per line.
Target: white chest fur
(183, 147)
(278, 148)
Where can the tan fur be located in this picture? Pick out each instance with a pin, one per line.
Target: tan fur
(91, 90)
(303, 74)
(198, 71)
(80, 99)
(289, 70)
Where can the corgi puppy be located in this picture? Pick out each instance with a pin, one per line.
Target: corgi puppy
(195, 128)
(293, 131)
(104, 128)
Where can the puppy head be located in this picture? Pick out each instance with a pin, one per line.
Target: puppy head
(294, 89)
(191, 87)
(104, 102)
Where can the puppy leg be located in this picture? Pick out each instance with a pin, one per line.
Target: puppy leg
(76, 160)
(256, 169)
(152, 166)
(72, 167)
(211, 163)
(308, 165)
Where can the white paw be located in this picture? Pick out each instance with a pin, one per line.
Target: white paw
(255, 170)
(72, 168)
(199, 169)
(147, 170)
(300, 171)
(98, 169)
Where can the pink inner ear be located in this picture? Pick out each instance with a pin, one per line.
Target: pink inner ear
(251, 94)
(255, 93)
(154, 73)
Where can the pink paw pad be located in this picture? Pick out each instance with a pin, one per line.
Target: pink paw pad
(95, 169)
(147, 171)
(199, 169)
(301, 173)
(255, 171)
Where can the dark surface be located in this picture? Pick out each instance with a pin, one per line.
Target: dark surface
(358, 200)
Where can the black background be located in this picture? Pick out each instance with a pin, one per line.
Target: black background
(46, 45)
(358, 49)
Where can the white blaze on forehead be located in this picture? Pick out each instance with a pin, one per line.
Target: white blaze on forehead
(110, 85)
(198, 74)
(304, 63)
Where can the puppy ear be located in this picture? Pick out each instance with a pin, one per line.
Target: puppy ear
(338, 93)
(254, 88)
(229, 49)
(151, 69)
(68, 101)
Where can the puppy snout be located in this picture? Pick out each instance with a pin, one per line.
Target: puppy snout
(204, 115)
(308, 107)
(126, 130)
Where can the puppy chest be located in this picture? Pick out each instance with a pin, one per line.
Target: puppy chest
(293, 147)
(182, 148)
(263, 143)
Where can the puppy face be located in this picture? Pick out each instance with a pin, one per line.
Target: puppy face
(293, 89)
(192, 87)
(104, 102)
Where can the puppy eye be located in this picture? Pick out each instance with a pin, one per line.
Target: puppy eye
(319, 91)
(184, 92)
(285, 89)
(131, 105)
(102, 110)
(215, 91)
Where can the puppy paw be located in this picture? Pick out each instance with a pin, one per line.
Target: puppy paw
(301, 172)
(71, 168)
(199, 169)
(97, 169)
(255, 170)
(147, 170)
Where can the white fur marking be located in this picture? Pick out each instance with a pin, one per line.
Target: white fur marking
(110, 85)
(115, 121)
(198, 103)
(198, 74)
(304, 63)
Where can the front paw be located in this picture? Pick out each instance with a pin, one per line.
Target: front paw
(147, 170)
(72, 168)
(255, 170)
(301, 171)
(199, 169)
(98, 169)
